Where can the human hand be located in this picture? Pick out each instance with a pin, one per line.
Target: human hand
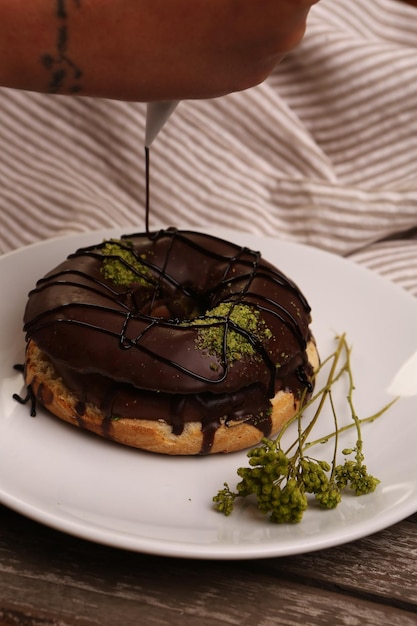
(141, 50)
(217, 46)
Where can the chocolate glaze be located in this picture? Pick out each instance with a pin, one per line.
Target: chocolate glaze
(116, 346)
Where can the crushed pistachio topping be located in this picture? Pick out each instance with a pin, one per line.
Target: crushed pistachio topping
(245, 322)
(122, 266)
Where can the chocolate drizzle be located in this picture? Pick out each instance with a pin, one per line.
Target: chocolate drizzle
(29, 397)
(126, 343)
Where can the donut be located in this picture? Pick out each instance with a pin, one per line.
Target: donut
(171, 341)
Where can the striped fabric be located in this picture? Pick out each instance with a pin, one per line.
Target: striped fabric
(324, 152)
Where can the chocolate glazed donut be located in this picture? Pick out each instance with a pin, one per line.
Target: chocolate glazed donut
(174, 328)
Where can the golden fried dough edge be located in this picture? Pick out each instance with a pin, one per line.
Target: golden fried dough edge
(150, 435)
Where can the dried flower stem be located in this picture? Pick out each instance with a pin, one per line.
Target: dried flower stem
(280, 481)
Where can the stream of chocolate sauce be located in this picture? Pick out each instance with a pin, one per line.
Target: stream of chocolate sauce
(147, 188)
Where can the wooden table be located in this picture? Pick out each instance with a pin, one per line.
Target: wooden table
(51, 579)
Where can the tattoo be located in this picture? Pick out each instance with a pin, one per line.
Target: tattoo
(65, 74)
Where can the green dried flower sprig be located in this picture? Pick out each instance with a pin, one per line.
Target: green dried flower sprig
(280, 480)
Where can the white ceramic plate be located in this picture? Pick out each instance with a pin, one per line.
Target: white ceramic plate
(88, 487)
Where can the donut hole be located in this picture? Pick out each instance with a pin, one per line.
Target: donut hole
(184, 303)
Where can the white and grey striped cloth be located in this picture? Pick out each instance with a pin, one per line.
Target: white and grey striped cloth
(324, 152)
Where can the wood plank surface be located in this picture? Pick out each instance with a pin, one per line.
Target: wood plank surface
(50, 579)
(382, 567)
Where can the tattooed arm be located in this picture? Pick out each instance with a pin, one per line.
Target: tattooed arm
(142, 50)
